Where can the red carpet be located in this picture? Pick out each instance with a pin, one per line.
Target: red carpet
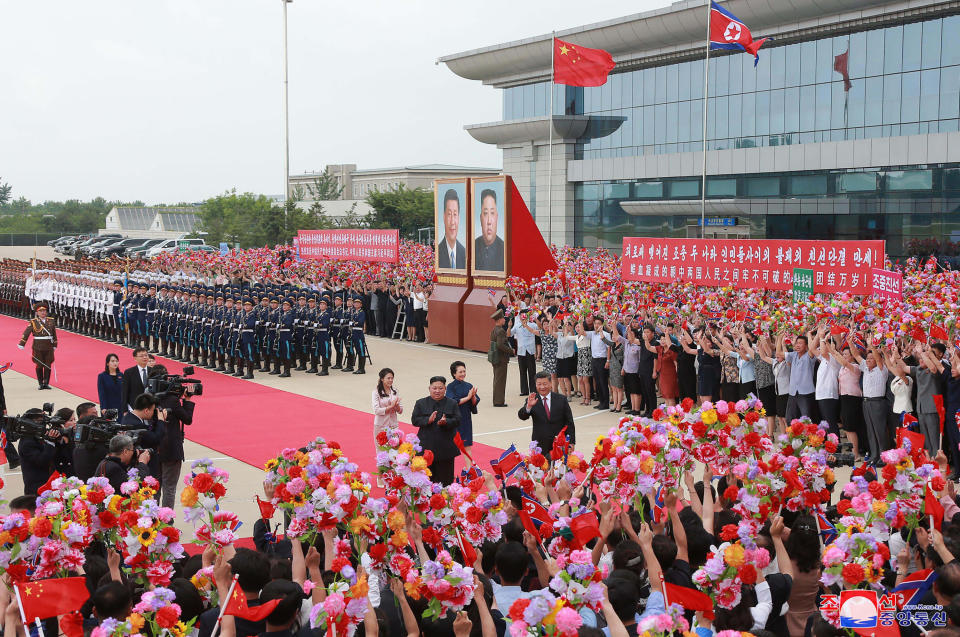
(237, 418)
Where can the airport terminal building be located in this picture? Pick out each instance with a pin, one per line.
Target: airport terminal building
(793, 150)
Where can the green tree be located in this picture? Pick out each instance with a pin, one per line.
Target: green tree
(325, 187)
(242, 219)
(403, 209)
(4, 193)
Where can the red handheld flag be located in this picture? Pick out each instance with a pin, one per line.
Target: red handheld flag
(688, 598)
(52, 597)
(933, 508)
(585, 527)
(579, 66)
(267, 509)
(941, 410)
(237, 606)
(918, 335)
(46, 486)
(938, 332)
(457, 440)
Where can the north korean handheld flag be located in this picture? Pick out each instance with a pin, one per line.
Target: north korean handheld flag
(727, 32)
(914, 587)
(509, 462)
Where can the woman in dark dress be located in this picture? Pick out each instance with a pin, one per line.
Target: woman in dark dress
(110, 384)
(686, 367)
(708, 373)
(466, 396)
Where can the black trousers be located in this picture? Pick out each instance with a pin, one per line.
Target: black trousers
(600, 376)
(528, 373)
(648, 389)
(441, 471)
(800, 405)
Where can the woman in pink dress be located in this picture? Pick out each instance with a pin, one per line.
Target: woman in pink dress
(386, 408)
(666, 370)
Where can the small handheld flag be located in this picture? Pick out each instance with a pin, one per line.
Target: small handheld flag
(509, 462)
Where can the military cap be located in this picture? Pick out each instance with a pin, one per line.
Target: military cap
(496, 316)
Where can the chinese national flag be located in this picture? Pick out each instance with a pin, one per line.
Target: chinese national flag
(579, 66)
(52, 597)
(237, 606)
(841, 65)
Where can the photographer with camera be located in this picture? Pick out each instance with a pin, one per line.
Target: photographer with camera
(178, 406)
(149, 423)
(63, 462)
(39, 448)
(88, 453)
(120, 459)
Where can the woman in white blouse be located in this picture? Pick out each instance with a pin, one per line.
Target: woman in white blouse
(386, 403)
(902, 385)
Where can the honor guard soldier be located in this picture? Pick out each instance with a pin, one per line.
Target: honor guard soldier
(336, 321)
(236, 325)
(44, 333)
(117, 311)
(323, 337)
(299, 330)
(216, 334)
(273, 336)
(206, 326)
(310, 334)
(263, 351)
(285, 342)
(357, 337)
(141, 315)
(248, 337)
(151, 320)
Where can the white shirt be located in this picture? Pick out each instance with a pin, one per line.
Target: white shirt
(597, 347)
(901, 395)
(828, 381)
(874, 381)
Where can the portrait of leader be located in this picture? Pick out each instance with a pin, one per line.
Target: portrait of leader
(488, 245)
(451, 253)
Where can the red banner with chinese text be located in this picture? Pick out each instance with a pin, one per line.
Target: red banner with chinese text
(838, 266)
(350, 245)
(888, 285)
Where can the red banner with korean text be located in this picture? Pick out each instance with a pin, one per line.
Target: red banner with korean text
(838, 266)
(350, 245)
(887, 284)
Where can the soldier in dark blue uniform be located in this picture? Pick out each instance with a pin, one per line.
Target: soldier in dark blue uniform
(273, 326)
(216, 334)
(358, 320)
(118, 326)
(285, 330)
(299, 327)
(262, 352)
(150, 320)
(205, 317)
(323, 337)
(190, 329)
(248, 337)
(310, 333)
(141, 316)
(336, 318)
(226, 336)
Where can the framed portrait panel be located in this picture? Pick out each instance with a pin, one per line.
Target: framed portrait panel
(451, 219)
(489, 226)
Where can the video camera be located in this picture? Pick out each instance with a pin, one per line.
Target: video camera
(34, 423)
(172, 385)
(101, 430)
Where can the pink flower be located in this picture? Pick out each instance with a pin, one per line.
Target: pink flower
(568, 621)
(334, 604)
(862, 503)
(723, 407)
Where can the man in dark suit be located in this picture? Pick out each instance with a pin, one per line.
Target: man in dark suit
(451, 254)
(150, 422)
(550, 412)
(135, 379)
(438, 419)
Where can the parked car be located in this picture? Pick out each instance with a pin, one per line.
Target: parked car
(170, 245)
(78, 247)
(203, 248)
(94, 248)
(134, 252)
(119, 248)
(61, 240)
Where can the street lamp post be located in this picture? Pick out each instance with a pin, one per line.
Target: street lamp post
(286, 119)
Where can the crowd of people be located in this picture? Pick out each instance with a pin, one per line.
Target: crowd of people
(741, 388)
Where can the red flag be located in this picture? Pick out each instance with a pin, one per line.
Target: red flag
(52, 597)
(838, 330)
(71, 624)
(466, 549)
(689, 598)
(916, 440)
(237, 606)
(918, 335)
(841, 64)
(560, 445)
(938, 332)
(941, 410)
(932, 507)
(585, 527)
(457, 440)
(46, 486)
(579, 66)
(266, 508)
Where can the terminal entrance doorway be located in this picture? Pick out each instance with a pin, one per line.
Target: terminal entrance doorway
(720, 232)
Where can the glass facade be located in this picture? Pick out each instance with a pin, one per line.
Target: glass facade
(900, 205)
(905, 80)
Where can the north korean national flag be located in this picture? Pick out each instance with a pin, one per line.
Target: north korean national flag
(729, 33)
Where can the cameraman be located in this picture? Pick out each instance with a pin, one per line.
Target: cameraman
(149, 422)
(38, 453)
(179, 412)
(87, 455)
(121, 459)
(63, 462)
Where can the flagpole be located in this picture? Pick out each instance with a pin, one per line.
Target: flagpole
(223, 606)
(706, 94)
(553, 49)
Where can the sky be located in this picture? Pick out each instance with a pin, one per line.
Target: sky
(179, 100)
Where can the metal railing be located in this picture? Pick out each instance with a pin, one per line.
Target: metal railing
(29, 238)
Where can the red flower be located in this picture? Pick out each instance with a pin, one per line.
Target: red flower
(938, 483)
(107, 519)
(883, 550)
(96, 496)
(474, 515)
(431, 536)
(517, 608)
(877, 490)
(731, 493)
(203, 482)
(428, 456)
(751, 417)
(538, 460)
(168, 616)
(128, 519)
(218, 490)
(843, 506)
(658, 414)
(437, 502)
(171, 533)
(752, 439)
(382, 438)
(729, 531)
(706, 453)
(830, 446)
(687, 404)
(852, 573)
(748, 574)
(378, 551)
(888, 472)
(699, 429)
(294, 472)
(41, 527)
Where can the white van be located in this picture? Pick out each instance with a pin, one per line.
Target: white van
(170, 245)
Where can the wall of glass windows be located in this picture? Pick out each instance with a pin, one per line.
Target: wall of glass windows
(898, 205)
(905, 80)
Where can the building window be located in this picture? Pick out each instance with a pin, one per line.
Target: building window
(857, 182)
(909, 179)
(684, 189)
(815, 185)
(763, 187)
(721, 187)
(648, 190)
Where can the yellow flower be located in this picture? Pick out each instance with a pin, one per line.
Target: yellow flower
(647, 466)
(734, 556)
(189, 496)
(829, 476)
(573, 462)
(419, 463)
(406, 448)
(359, 524)
(709, 417)
(147, 536)
(360, 589)
(180, 630)
(337, 453)
(733, 420)
(551, 619)
(136, 622)
(879, 507)
(399, 539)
(114, 505)
(146, 492)
(271, 464)
(303, 460)
(395, 520)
